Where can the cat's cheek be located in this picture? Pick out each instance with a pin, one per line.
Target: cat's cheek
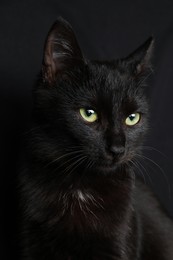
(93, 150)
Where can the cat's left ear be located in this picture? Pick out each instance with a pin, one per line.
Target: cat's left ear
(139, 61)
(61, 53)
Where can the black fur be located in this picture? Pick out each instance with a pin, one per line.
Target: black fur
(79, 195)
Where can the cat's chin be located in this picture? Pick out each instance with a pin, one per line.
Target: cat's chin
(107, 168)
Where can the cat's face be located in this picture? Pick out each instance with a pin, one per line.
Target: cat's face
(94, 111)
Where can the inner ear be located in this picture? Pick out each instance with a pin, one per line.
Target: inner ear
(61, 51)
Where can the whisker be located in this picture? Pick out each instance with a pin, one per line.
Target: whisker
(66, 162)
(89, 164)
(69, 160)
(73, 164)
(63, 156)
(132, 169)
(138, 168)
(150, 148)
(78, 162)
(148, 175)
(160, 169)
(73, 167)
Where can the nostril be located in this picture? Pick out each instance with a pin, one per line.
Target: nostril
(116, 150)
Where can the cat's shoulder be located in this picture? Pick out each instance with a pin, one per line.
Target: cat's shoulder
(150, 208)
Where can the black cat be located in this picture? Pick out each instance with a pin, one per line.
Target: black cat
(79, 196)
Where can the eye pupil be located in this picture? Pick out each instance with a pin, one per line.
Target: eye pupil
(132, 117)
(89, 112)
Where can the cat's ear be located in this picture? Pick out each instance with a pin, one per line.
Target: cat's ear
(61, 51)
(139, 61)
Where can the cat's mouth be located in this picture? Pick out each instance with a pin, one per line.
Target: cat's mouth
(107, 166)
(112, 165)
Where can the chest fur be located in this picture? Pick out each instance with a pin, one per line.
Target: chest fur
(87, 211)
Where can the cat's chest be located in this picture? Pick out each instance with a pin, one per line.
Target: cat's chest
(87, 210)
(89, 206)
(92, 224)
(81, 208)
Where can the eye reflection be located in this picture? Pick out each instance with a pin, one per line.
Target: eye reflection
(88, 115)
(132, 119)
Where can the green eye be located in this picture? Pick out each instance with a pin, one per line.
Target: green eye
(133, 119)
(88, 114)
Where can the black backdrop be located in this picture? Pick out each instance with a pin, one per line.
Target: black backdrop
(105, 30)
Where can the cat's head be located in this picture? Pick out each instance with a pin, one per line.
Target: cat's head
(91, 113)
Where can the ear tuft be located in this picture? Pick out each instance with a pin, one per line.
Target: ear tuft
(61, 51)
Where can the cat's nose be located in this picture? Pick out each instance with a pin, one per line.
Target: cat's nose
(116, 144)
(116, 150)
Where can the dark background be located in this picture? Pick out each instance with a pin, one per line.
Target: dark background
(105, 30)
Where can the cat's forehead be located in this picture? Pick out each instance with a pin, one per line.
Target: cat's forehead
(103, 86)
(100, 87)
(110, 81)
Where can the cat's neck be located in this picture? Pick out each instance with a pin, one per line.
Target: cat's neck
(86, 206)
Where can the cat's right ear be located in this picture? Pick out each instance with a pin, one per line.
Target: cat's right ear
(61, 51)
